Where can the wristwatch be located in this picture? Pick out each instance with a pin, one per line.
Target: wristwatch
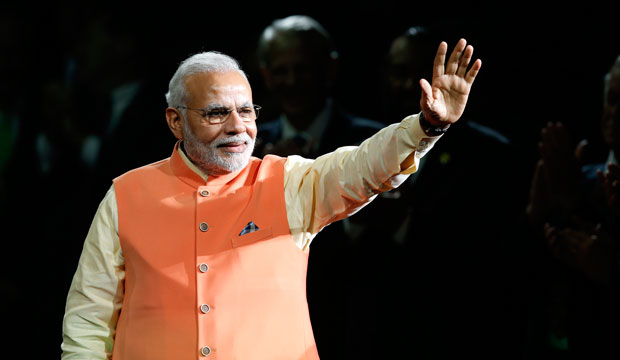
(431, 130)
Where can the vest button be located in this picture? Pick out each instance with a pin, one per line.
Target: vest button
(203, 268)
(204, 226)
(204, 193)
(204, 308)
(205, 351)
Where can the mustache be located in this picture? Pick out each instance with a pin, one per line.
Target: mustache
(243, 137)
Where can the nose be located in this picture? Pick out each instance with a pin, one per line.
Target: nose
(290, 77)
(409, 83)
(234, 124)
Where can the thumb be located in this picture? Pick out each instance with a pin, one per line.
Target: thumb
(427, 93)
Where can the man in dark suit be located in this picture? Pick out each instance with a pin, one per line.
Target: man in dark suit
(298, 63)
(446, 277)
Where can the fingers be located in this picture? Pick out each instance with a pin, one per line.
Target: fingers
(440, 60)
(427, 91)
(601, 177)
(458, 62)
(548, 135)
(471, 74)
(555, 137)
(464, 62)
(610, 179)
(562, 243)
(455, 57)
(613, 170)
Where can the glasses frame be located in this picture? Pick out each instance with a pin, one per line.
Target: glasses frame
(204, 113)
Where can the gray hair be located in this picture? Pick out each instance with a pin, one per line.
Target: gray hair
(206, 62)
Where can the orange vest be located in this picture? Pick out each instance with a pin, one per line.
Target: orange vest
(195, 287)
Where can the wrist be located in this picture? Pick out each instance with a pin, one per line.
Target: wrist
(430, 129)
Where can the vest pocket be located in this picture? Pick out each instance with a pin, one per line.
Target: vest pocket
(247, 239)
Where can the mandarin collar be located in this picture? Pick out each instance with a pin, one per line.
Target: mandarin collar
(189, 173)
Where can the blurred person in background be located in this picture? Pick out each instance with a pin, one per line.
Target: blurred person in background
(573, 210)
(459, 266)
(299, 64)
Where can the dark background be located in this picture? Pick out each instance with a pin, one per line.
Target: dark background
(541, 62)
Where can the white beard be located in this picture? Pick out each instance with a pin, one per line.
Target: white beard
(207, 157)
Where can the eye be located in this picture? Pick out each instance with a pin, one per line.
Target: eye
(218, 112)
(245, 111)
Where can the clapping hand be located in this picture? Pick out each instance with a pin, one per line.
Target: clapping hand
(443, 101)
(583, 246)
(555, 190)
(610, 181)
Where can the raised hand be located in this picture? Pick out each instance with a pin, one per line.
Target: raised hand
(443, 101)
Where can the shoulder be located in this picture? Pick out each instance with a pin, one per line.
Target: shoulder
(353, 121)
(143, 171)
(487, 133)
(365, 123)
(270, 129)
(268, 160)
(470, 138)
(352, 128)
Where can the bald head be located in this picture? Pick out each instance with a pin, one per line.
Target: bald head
(409, 59)
(297, 60)
(296, 31)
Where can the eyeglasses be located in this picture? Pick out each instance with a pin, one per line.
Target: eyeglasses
(219, 114)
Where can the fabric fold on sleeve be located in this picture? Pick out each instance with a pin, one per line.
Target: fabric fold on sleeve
(336, 185)
(96, 293)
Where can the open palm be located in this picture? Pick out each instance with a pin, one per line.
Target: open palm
(443, 101)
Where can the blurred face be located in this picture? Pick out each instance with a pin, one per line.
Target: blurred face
(406, 65)
(218, 148)
(611, 110)
(298, 75)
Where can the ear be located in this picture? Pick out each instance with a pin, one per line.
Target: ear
(266, 74)
(333, 70)
(175, 122)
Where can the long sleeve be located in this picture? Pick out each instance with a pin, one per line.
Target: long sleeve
(336, 185)
(96, 293)
(317, 192)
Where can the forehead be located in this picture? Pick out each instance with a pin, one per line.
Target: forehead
(290, 47)
(411, 51)
(400, 50)
(224, 88)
